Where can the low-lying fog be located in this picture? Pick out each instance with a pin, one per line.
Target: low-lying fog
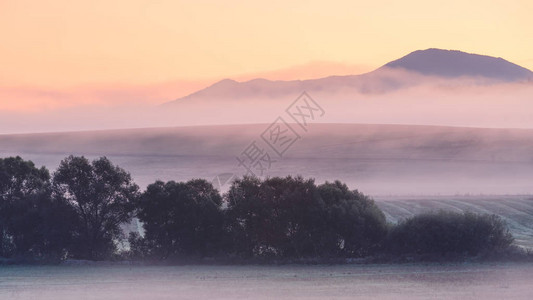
(377, 159)
(450, 102)
(404, 281)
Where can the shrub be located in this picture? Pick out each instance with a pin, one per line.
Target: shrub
(449, 233)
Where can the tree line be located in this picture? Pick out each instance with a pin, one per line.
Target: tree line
(78, 212)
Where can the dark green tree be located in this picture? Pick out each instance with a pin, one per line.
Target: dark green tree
(31, 223)
(181, 219)
(354, 223)
(292, 217)
(103, 198)
(247, 216)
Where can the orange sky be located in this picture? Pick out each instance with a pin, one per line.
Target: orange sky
(170, 48)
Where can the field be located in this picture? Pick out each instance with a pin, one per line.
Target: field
(464, 281)
(386, 162)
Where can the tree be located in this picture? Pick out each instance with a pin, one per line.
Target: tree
(246, 216)
(352, 219)
(181, 219)
(102, 197)
(31, 223)
(292, 217)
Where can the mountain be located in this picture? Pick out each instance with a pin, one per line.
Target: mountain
(413, 69)
(452, 63)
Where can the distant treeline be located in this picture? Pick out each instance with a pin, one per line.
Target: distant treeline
(77, 213)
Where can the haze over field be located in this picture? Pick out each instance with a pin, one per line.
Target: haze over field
(408, 281)
(427, 87)
(377, 159)
(415, 144)
(460, 90)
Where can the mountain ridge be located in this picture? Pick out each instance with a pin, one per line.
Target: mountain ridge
(406, 71)
(455, 63)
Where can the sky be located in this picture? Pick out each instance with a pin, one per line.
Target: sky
(60, 53)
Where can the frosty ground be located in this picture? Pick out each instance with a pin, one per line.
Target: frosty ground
(407, 281)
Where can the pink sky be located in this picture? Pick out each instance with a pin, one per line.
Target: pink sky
(61, 53)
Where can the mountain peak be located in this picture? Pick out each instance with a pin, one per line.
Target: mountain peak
(225, 82)
(450, 64)
(454, 63)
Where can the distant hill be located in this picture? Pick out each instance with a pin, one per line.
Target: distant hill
(453, 63)
(407, 71)
(377, 159)
(392, 163)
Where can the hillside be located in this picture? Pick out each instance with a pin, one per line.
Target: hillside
(377, 159)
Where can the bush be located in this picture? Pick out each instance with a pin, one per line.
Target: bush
(445, 233)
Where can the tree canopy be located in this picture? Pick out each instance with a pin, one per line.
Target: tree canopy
(31, 223)
(102, 196)
(79, 211)
(293, 217)
(181, 218)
